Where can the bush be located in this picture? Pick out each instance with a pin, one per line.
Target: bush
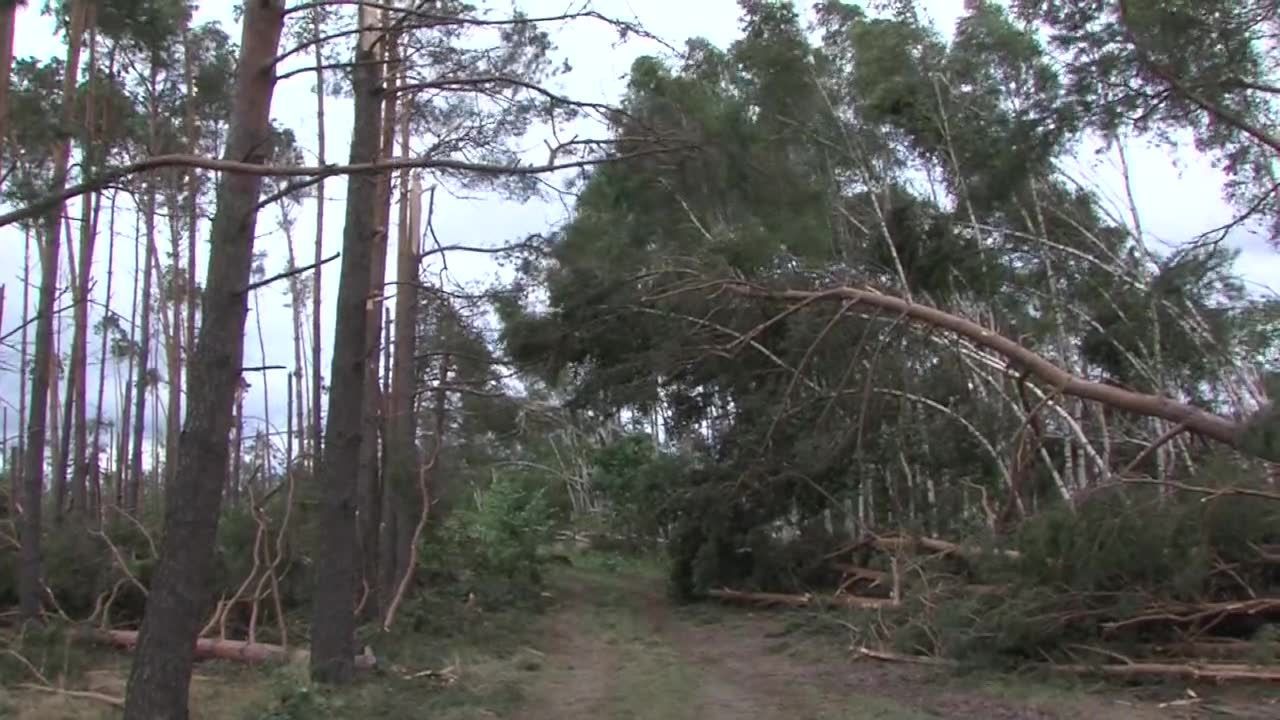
(490, 549)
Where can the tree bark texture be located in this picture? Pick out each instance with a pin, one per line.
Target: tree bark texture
(30, 585)
(333, 612)
(161, 674)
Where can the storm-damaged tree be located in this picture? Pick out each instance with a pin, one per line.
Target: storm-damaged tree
(161, 673)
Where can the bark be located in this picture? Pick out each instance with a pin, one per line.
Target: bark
(333, 612)
(8, 22)
(369, 480)
(1205, 423)
(133, 493)
(15, 478)
(392, 511)
(80, 336)
(253, 653)
(317, 379)
(123, 456)
(193, 186)
(102, 366)
(30, 585)
(179, 598)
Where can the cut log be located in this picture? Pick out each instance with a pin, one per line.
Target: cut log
(236, 650)
(806, 600)
(1196, 672)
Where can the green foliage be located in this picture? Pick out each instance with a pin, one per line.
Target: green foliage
(490, 548)
(1123, 553)
(638, 481)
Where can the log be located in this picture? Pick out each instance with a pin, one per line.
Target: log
(806, 600)
(1187, 612)
(235, 650)
(1196, 672)
(1215, 649)
(939, 546)
(855, 572)
(887, 656)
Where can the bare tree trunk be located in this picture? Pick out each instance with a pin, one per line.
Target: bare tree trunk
(8, 23)
(368, 477)
(133, 493)
(102, 362)
(24, 366)
(388, 557)
(123, 467)
(193, 188)
(333, 614)
(161, 674)
(30, 585)
(402, 451)
(80, 336)
(317, 379)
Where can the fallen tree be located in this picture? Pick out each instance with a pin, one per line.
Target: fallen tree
(1225, 430)
(253, 653)
(805, 600)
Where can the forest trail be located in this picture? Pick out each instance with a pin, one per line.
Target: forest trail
(615, 647)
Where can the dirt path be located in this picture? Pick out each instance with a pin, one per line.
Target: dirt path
(616, 648)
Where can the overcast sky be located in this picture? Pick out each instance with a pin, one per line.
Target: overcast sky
(1178, 197)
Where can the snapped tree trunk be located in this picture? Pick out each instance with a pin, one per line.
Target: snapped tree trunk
(30, 585)
(369, 478)
(161, 673)
(333, 612)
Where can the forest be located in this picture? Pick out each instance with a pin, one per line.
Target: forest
(831, 334)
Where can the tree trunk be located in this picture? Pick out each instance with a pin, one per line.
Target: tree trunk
(333, 613)
(80, 336)
(317, 379)
(102, 364)
(30, 585)
(369, 478)
(161, 674)
(8, 22)
(192, 130)
(133, 493)
(392, 512)
(15, 479)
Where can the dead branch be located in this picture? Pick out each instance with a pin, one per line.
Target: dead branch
(1203, 490)
(288, 274)
(900, 658)
(80, 694)
(1189, 671)
(806, 600)
(1190, 613)
(198, 162)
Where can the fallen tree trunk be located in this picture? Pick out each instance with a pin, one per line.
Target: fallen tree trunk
(235, 650)
(1189, 613)
(1224, 430)
(892, 543)
(1216, 649)
(1198, 672)
(806, 600)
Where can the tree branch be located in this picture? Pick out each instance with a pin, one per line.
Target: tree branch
(41, 206)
